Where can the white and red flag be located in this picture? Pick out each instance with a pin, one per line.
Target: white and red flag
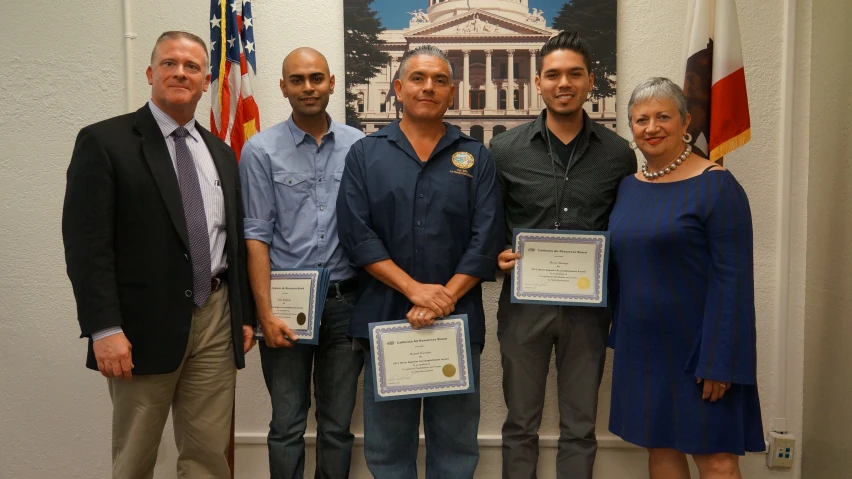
(233, 63)
(714, 79)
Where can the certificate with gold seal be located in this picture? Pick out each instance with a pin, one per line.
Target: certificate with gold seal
(298, 297)
(561, 267)
(430, 361)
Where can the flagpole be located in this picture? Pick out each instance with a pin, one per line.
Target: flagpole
(231, 444)
(128, 56)
(231, 464)
(783, 297)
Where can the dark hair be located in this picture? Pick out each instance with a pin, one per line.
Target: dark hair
(567, 41)
(174, 35)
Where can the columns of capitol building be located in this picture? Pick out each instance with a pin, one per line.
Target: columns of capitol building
(394, 65)
(465, 90)
(533, 95)
(487, 134)
(490, 96)
(510, 87)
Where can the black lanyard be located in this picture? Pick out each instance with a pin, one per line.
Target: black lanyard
(557, 196)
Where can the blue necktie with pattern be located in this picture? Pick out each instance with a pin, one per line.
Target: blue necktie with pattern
(196, 221)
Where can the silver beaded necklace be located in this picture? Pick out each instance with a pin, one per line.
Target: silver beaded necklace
(665, 171)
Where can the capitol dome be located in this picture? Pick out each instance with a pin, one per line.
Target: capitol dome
(439, 10)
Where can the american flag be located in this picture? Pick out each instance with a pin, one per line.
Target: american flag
(233, 114)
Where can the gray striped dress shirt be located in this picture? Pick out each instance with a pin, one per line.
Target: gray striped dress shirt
(211, 192)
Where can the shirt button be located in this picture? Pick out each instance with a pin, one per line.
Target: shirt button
(565, 209)
(322, 236)
(319, 265)
(322, 208)
(417, 251)
(289, 182)
(421, 195)
(418, 223)
(320, 180)
(188, 293)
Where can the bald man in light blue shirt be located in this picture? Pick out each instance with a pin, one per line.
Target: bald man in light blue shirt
(290, 175)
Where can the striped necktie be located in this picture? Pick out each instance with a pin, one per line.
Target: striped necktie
(196, 221)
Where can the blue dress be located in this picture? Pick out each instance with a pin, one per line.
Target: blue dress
(683, 288)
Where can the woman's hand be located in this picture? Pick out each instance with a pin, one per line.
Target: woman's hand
(713, 390)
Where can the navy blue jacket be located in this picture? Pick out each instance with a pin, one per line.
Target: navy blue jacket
(433, 219)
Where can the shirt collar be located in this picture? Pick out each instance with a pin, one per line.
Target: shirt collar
(168, 125)
(393, 132)
(540, 126)
(299, 136)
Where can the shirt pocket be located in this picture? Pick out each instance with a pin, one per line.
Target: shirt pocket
(292, 190)
(218, 209)
(456, 191)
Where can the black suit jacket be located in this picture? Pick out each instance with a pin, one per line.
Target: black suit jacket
(127, 246)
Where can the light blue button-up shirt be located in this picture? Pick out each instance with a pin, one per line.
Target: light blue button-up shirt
(289, 188)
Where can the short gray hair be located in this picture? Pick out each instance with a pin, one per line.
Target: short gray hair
(427, 50)
(657, 88)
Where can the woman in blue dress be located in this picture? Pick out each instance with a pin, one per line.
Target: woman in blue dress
(684, 373)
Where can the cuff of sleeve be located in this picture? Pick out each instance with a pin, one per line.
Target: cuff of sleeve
(249, 317)
(106, 332)
(258, 229)
(724, 373)
(369, 252)
(481, 267)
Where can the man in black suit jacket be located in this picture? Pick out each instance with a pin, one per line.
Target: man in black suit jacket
(149, 196)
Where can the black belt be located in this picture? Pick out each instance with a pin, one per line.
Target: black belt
(217, 281)
(345, 286)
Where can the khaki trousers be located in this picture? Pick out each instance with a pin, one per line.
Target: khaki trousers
(200, 394)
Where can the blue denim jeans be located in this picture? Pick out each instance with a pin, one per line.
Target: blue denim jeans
(391, 431)
(287, 372)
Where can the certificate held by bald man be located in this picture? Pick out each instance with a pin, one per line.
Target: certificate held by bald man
(298, 296)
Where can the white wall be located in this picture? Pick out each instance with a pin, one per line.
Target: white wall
(66, 70)
(827, 414)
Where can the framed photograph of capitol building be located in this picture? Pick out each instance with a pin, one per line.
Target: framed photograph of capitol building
(493, 47)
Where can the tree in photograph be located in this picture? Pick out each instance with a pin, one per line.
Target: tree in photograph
(364, 59)
(594, 20)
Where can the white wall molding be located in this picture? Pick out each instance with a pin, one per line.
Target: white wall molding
(606, 441)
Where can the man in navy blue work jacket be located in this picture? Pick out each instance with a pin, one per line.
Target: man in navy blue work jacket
(419, 210)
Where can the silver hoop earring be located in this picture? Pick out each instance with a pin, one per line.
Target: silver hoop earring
(687, 138)
(632, 144)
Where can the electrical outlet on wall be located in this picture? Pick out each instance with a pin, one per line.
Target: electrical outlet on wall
(780, 450)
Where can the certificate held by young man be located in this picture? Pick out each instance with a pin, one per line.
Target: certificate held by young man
(566, 268)
(430, 361)
(298, 296)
